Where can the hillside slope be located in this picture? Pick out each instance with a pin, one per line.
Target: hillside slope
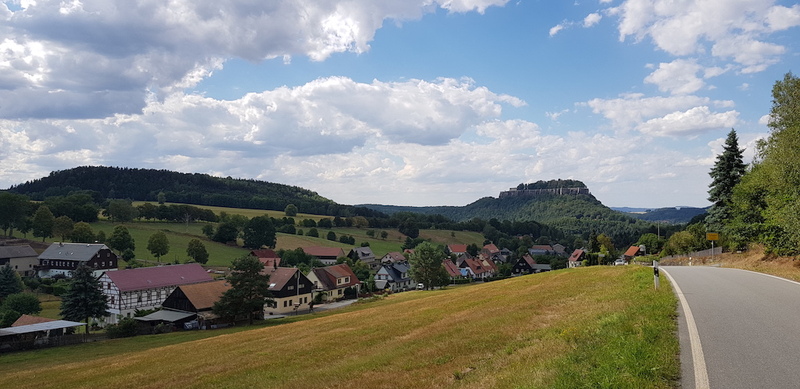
(571, 328)
(198, 189)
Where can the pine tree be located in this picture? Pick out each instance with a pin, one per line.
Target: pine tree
(725, 175)
(84, 298)
(249, 289)
(9, 282)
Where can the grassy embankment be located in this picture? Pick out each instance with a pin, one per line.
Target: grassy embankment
(593, 327)
(753, 259)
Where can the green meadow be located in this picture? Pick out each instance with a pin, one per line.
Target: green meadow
(603, 327)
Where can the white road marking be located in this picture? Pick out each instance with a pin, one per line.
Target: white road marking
(698, 360)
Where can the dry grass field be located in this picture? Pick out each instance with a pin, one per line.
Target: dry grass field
(592, 327)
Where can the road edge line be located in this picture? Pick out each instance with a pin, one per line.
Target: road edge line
(698, 359)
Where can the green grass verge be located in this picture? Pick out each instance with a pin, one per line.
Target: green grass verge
(601, 327)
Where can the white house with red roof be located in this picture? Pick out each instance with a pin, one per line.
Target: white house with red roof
(576, 259)
(290, 290)
(457, 249)
(331, 281)
(145, 287)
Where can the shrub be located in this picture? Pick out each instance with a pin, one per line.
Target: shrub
(126, 328)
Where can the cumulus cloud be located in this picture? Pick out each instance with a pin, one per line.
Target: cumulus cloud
(736, 30)
(95, 58)
(663, 116)
(677, 77)
(592, 19)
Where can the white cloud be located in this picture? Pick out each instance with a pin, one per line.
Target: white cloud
(727, 29)
(556, 29)
(678, 77)
(103, 57)
(690, 122)
(592, 19)
(634, 112)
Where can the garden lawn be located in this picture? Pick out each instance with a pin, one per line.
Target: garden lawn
(590, 327)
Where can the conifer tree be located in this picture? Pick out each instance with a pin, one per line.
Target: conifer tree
(9, 282)
(84, 298)
(249, 289)
(725, 175)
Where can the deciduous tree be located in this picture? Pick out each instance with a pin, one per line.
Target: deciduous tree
(24, 303)
(197, 251)
(158, 244)
(84, 299)
(62, 227)
(82, 233)
(426, 265)
(43, 221)
(259, 232)
(121, 239)
(290, 210)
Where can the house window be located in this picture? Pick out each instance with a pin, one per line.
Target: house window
(111, 300)
(291, 287)
(340, 292)
(284, 303)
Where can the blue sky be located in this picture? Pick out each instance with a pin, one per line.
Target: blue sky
(426, 102)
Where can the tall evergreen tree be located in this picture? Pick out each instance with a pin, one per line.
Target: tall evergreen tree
(84, 298)
(249, 290)
(725, 175)
(9, 282)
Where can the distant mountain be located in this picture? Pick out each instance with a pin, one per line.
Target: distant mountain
(671, 215)
(573, 210)
(198, 189)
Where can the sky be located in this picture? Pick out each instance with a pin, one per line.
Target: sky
(402, 102)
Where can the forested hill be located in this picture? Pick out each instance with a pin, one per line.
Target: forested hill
(573, 214)
(199, 189)
(672, 215)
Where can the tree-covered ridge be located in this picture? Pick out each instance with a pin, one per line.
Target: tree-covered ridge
(188, 188)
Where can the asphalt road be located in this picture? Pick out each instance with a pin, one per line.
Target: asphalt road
(748, 325)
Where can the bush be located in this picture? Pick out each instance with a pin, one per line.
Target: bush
(126, 328)
(24, 303)
(59, 289)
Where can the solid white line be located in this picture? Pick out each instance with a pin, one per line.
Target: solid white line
(698, 360)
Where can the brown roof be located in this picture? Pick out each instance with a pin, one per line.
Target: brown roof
(546, 247)
(491, 248)
(28, 319)
(203, 295)
(451, 268)
(279, 277)
(320, 251)
(632, 251)
(270, 262)
(457, 248)
(527, 258)
(264, 253)
(576, 255)
(328, 275)
(155, 277)
(394, 256)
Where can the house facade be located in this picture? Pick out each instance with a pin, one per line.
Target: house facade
(392, 257)
(576, 259)
(365, 254)
(395, 277)
(291, 291)
(145, 287)
(331, 281)
(64, 258)
(23, 259)
(524, 265)
(326, 255)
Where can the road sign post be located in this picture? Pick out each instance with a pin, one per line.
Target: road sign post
(655, 273)
(712, 236)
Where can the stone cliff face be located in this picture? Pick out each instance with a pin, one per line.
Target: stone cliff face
(533, 192)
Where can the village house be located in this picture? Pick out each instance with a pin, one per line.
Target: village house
(146, 287)
(456, 249)
(541, 249)
(576, 259)
(364, 254)
(632, 252)
(23, 259)
(394, 276)
(64, 258)
(527, 265)
(197, 299)
(393, 257)
(476, 268)
(455, 272)
(332, 281)
(326, 255)
(291, 291)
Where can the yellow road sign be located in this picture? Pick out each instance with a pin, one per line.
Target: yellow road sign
(712, 236)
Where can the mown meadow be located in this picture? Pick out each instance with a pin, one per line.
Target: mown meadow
(600, 326)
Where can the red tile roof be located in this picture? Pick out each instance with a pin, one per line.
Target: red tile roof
(632, 251)
(576, 255)
(155, 277)
(491, 248)
(28, 319)
(270, 262)
(457, 248)
(329, 274)
(280, 276)
(527, 258)
(264, 253)
(451, 268)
